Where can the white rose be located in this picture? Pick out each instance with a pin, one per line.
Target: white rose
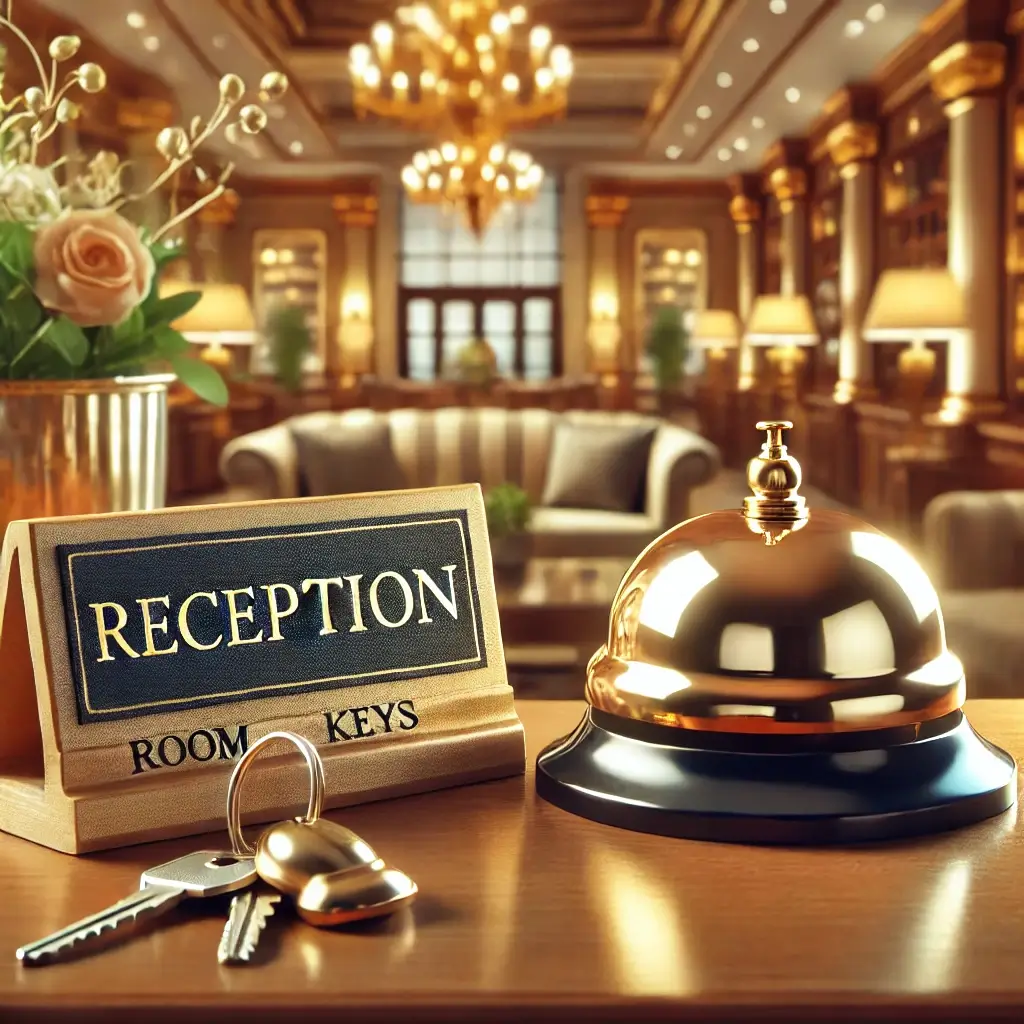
(29, 194)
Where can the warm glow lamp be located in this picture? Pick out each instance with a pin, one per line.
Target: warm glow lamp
(784, 323)
(916, 305)
(222, 317)
(716, 331)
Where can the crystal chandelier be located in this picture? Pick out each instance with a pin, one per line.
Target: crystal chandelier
(478, 181)
(468, 68)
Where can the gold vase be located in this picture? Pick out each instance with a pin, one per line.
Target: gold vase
(75, 447)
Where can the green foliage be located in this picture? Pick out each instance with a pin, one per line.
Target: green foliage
(508, 510)
(39, 344)
(667, 342)
(290, 339)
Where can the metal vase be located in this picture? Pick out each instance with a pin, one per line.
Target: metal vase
(77, 447)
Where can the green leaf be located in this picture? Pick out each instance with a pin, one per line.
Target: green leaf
(131, 328)
(164, 253)
(68, 339)
(204, 380)
(17, 253)
(168, 342)
(166, 311)
(21, 311)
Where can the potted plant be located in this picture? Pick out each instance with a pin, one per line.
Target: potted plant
(289, 340)
(87, 350)
(667, 341)
(508, 516)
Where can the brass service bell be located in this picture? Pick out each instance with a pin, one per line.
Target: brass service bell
(776, 674)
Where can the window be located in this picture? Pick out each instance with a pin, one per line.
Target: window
(504, 287)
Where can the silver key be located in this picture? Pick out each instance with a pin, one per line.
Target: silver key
(203, 873)
(246, 921)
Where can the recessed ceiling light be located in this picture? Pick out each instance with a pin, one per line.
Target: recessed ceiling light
(778, 7)
(793, 95)
(151, 43)
(136, 19)
(751, 45)
(854, 28)
(689, 130)
(704, 112)
(296, 148)
(220, 42)
(724, 79)
(876, 12)
(757, 122)
(673, 152)
(725, 154)
(276, 111)
(741, 145)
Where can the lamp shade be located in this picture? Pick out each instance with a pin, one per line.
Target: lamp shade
(781, 320)
(915, 304)
(223, 316)
(716, 328)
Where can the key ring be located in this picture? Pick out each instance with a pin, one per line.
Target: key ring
(239, 845)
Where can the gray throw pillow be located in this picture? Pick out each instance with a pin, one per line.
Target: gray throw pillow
(599, 466)
(346, 458)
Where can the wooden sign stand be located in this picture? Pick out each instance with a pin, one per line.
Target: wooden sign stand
(81, 773)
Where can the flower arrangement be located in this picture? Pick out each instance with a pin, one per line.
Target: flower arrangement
(79, 295)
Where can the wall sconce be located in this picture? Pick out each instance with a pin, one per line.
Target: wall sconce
(355, 338)
(604, 336)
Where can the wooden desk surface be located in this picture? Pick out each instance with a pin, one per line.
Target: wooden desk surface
(528, 913)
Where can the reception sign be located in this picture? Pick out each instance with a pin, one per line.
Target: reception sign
(157, 646)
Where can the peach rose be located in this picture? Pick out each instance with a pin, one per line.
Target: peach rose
(92, 266)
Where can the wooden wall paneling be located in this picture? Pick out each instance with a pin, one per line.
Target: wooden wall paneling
(1014, 193)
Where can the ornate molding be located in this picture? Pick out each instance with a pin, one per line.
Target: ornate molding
(788, 183)
(606, 211)
(145, 115)
(966, 69)
(744, 210)
(356, 211)
(852, 142)
(222, 211)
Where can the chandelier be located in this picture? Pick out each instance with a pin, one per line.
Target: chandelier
(478, 181)
(470, 68)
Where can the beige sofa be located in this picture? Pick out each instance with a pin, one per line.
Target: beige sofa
(491, 446)
(974, 551)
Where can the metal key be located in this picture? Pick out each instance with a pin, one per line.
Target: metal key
(246, 921)
(203, 873)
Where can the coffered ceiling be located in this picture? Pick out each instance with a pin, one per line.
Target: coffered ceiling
(687, 88)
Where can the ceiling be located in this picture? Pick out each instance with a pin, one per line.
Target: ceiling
(665, 88)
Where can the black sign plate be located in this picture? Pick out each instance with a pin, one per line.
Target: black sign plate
(203, 619)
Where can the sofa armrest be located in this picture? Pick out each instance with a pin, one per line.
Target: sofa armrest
(264, 463)
(680, 460)
(974, 540)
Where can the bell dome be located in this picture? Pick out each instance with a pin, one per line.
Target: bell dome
(776, 673)
(776, 621)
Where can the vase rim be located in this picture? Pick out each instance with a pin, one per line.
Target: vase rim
(88, 386)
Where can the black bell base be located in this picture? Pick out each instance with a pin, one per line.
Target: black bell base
(794, 790)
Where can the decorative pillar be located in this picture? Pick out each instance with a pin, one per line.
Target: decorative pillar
(853, 147)
(214, 220)
(142, 120)
(353, 355)
(745, 211)
(965, 77)
(604, 218)
(575, 299)
(789, 186)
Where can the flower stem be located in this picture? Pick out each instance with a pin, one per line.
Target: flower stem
(32, 342)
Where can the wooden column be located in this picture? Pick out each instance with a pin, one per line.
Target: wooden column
(745, 210)
(967, 77)
(352, 355)
(608, 355)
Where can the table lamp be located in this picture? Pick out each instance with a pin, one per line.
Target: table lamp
(716, 331)
(355, 338)
(784, 323)
(222, 318)
(917, 305)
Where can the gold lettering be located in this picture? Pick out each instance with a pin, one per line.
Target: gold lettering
(448, 602)
(276, 613)
(357, 604)
(406, 593)
(104, 631)
(183, 626)
(325, 608)
(235, 616)
(149, 625)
